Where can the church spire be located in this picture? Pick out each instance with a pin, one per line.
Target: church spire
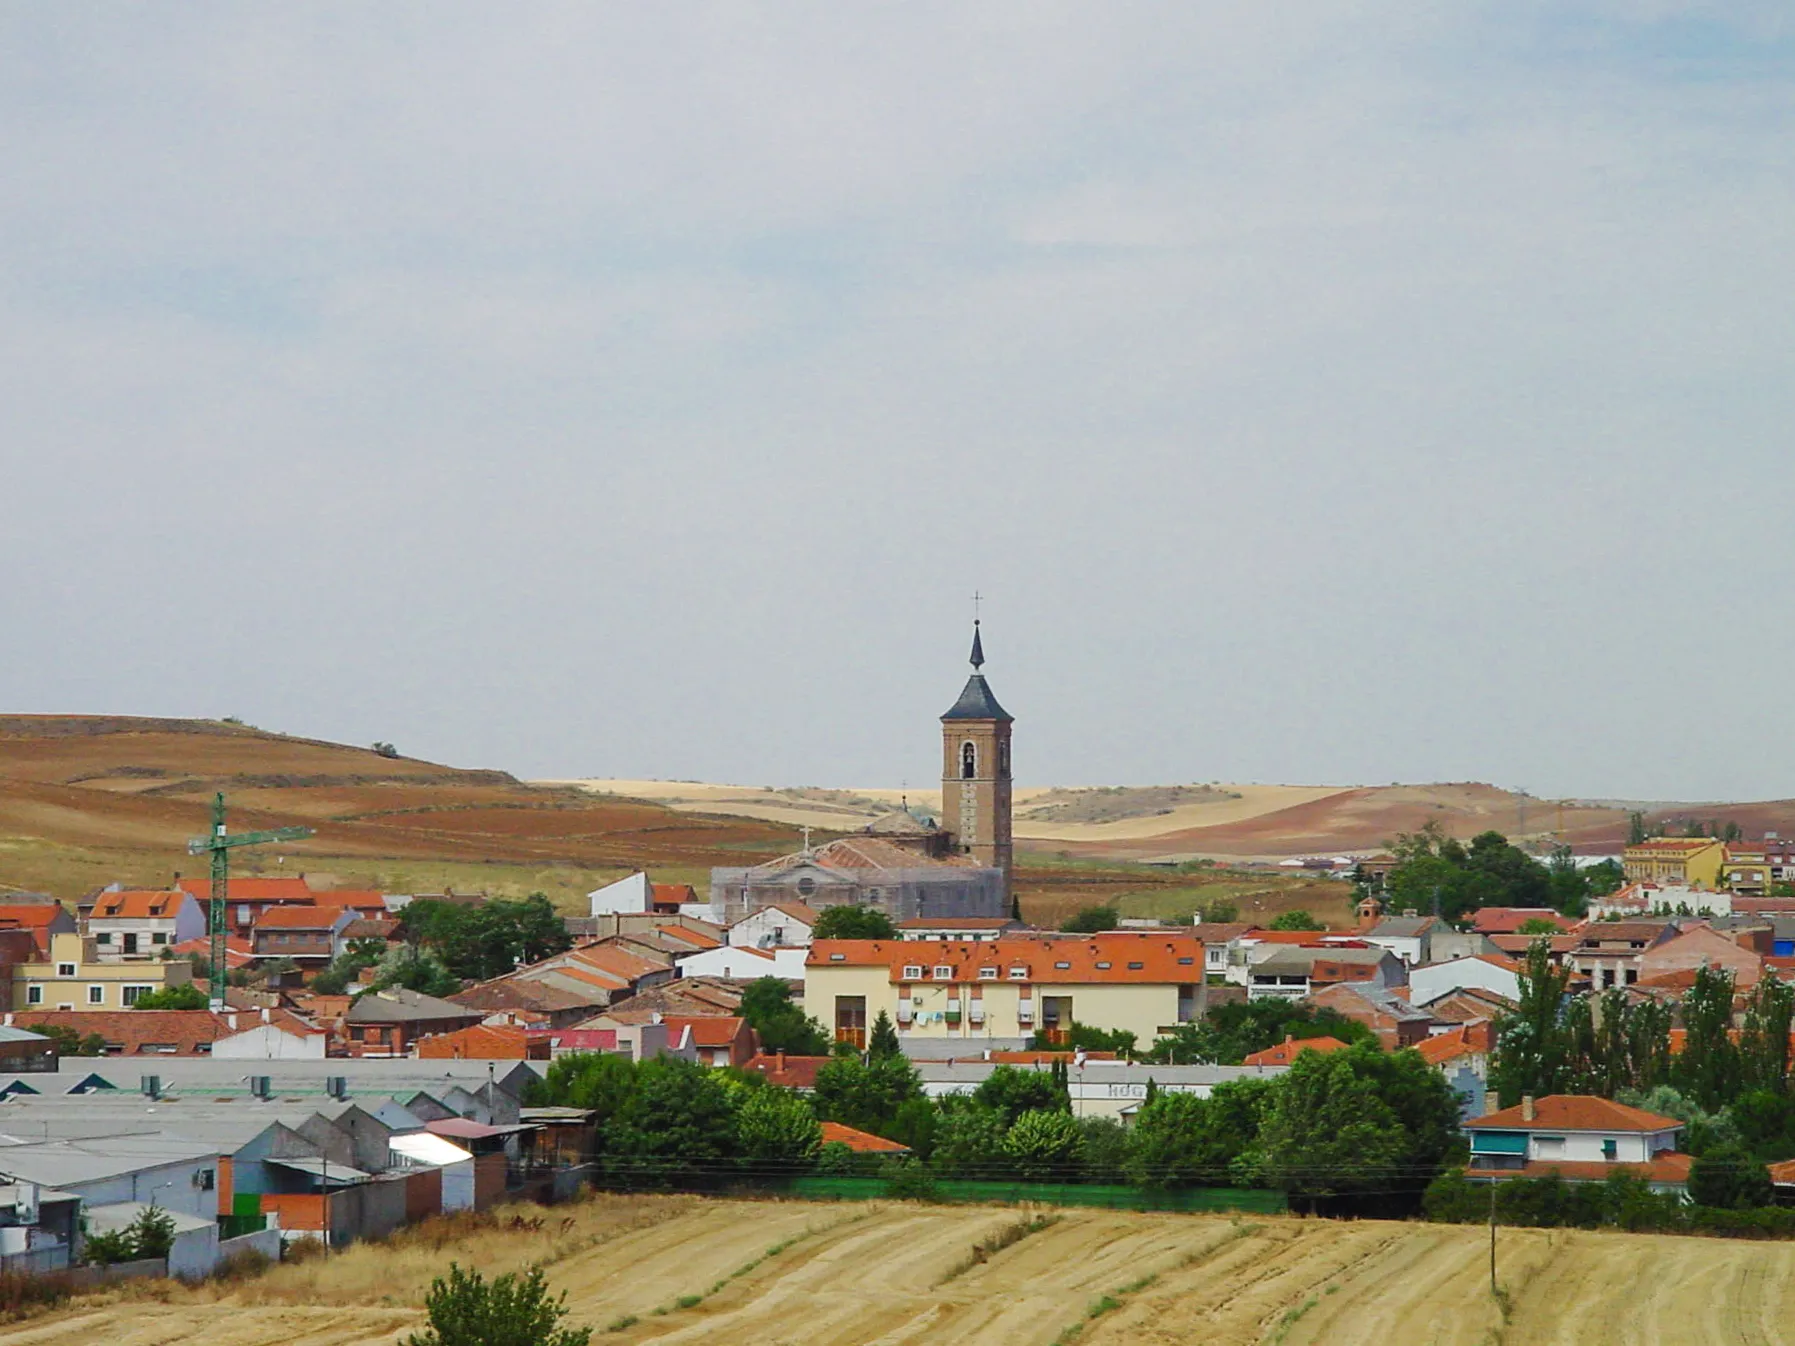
(978, 647)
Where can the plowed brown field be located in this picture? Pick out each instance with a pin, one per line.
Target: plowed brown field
(846, 1275)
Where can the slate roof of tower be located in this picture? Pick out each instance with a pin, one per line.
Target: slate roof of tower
(977, 703)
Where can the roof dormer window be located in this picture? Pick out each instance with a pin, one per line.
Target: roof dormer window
(1018, 974)
(943, 972)
(912, 971)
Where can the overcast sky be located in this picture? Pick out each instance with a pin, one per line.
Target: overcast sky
(1319, 392)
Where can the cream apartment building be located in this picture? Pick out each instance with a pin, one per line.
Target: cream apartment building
(1141, 981)
(74, 978)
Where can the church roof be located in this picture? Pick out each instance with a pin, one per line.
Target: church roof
(861, 852)
(898, 822)
(977, 703)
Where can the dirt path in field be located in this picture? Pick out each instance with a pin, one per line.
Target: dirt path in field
(679, 1271)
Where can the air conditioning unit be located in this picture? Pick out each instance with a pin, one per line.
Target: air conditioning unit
(337, 1086)
(151, 1085)
(261, 1086)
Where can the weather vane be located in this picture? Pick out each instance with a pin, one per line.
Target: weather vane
(977, 597)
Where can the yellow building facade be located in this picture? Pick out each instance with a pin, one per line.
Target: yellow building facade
(1140, 982)
(1692, 861)
(75, 979)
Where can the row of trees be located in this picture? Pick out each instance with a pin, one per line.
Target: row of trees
(1613, 1044)
(1432, 867)
(448, 943)
(1356, 1123)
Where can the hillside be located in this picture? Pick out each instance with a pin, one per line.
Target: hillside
(1229, 822)
(88, 799)
(687, 1270)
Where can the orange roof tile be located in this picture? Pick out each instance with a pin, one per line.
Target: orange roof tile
(1466, 1039)
(666, 894)
(1577, 1112)
(301, 918)
(862, 1142)
(249, 888)
(30, 914)
(1287, 1051)
(696, 938)
(789, 1072)
(140, 904)
(1117, 956)
(707, 1031)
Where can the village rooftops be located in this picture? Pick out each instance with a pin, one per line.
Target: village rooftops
(1477, 1038)
(1120, 956)
(248, 888)
(303, 918)
(1509, 920)
(861, 853)
(401, 1006)
(1671, 845)
(1574, 1112)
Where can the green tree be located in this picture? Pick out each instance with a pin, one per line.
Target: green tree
(1090, 921)
(599, 1081)
(883, 1040)
(185, 997)
(1636, 832)
(1229, 1033)
(1326, 1131)
(1537, 925)
(850, 922)
(1180, 1140)
(152, 1232)
(1708, 1068)
(865, 1095)
(1729, 1178)
(1012, 1091)
(1764, 1036)
(968, 1138)
(678, 1122)
(781, 1025)
(69, 1042)
(1765, 1121)
(512, 1310)
(1044, 1144)
(415, 969)
(1533, 1052)
(1105, 1149)
(776, 1127)
(1296, 920)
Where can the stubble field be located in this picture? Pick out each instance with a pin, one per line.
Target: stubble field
(689, 1270)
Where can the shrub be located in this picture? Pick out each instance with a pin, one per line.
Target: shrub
(908, 1180)
(20, 1292)
(511, 1310)
(243, 1265)
(303, 1250)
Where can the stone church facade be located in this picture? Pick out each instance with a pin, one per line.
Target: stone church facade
(908, 869)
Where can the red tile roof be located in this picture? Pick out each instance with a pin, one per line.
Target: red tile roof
(707, 1031)
(476, 1043)
(862, 1142)
(667, 894)
(31, 914)
(789, 1072)
(251, 889)
(1509, 920)
(1673, 845)
(1117, 956)
(1467, 1039)
(140, 904)
(362, 899)
(696, 938)
(1576, 1112)
(299, 918)
(236, 953)
(956, 923)
(136, 1032)
(1286, 1052)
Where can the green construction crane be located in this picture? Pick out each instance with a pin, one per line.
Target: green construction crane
(220, 847)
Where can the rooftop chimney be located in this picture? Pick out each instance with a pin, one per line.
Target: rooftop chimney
(1527, 1114)
(779, 1062)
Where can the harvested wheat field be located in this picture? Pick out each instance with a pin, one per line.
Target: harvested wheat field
(689, 1270)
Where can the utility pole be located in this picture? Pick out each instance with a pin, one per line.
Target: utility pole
(219, 846)
(1492, 1236)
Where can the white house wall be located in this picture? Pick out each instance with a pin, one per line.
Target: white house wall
(624, 897)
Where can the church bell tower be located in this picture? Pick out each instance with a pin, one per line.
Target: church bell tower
(975, 772)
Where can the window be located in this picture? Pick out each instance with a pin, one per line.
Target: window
(1610, 1149)
(103, 937)
(131, 994)
(204, 1180)
(1136, 967)
(1103, 966)
(65, 969)
(969, 761)
(943, 972)
(158, 938)
(987, 974)
(912, 971)
(34, 995)
(806, 885)
(1063, 967)
(96, 995)
(1018, 974)
(1003, 760)
(1186, 962)
(838, 958)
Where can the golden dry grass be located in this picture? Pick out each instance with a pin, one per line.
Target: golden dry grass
(688, 1270)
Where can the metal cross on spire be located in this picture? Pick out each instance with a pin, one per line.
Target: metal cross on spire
(977, 598)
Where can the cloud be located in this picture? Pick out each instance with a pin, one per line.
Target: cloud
(1323, 391)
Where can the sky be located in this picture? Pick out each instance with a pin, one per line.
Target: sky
(1334, 393)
